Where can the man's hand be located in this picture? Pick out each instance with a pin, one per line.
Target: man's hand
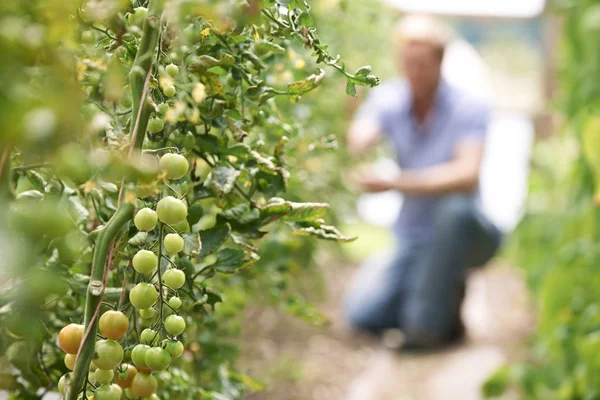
(366, 179)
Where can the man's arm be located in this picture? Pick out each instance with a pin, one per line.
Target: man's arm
(362, 135)
(458, 175)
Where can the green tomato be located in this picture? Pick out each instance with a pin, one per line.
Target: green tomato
(103, 376)
(143, 385)
(129, 394)
(174, 347)
(174, 165)
(189, 141)
(158, 358)
(170, 91)
(174, 278)
(138, 16)
(173, 243)
(174, 56)
(138, 355)
(150, 337)
(147, 313)
(152, 397)
(107, 392)
(172, 70)
(87, 37)
(156, 125)
(175, 302)
(163, 108)
(145, 219)
(171, 210)
(143, 295)
(62, 382)
(174, 324)
(109, 354)
(145, 262)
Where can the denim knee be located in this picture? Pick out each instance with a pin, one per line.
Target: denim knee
(454, 210)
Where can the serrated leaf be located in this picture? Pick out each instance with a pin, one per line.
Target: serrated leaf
(212, 297)
(363, 71)
(221, 180)
(306, 85)
(108, 187)
(76, 210)
(276, 208)
(30, 195)
(139, 239)
(195, 212)
(320, 230)
(232, 260)
(306, 211)
(351, 89)
(192, 244)
(213, 238)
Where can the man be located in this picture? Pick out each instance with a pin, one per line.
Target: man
(438, 134)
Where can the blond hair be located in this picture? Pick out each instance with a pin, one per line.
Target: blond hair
(422, 28)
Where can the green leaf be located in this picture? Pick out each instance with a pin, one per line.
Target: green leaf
(276, 208)
(306, 85)
(221, 180)
(30, 195)
(139, 239)
(232, 260)
(195, 212)
(307, 211)
(213, 238)
(305, 19)
(351, 89)
(363, 71)
(213, 297)
(192, 244)
(271, 185)
(320, 230)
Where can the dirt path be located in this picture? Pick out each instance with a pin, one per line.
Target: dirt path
(298, 361)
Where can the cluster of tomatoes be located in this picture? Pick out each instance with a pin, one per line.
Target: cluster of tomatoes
(110, 377)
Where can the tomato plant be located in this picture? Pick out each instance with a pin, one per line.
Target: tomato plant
(166, 107)
(558, 241)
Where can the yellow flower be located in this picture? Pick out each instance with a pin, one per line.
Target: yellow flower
(205, 33)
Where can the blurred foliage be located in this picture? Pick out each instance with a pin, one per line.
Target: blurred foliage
(81, 84)
(558, 241)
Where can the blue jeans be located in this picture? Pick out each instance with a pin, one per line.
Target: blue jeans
(421, 287)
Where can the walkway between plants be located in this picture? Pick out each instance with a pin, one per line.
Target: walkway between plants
(298, 361)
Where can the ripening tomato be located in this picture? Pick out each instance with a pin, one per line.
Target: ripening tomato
(70, 338)
(171, 210)
(150, 337)
(126, 375)
(175, 324)
(145, 219)
(173, 243)
(113, 324)
(145, 262)
(70, 361)
(158, 358)
(174, 278)
(174, 165)
(103, 376)
(143, 295)
(109, 354)
(143, 385)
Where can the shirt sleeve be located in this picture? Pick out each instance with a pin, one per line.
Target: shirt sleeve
(476, 124)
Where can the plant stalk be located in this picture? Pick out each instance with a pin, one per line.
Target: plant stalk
(138, 80)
